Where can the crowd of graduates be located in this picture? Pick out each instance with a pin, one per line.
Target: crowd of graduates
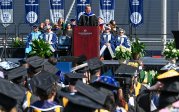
(38, 86)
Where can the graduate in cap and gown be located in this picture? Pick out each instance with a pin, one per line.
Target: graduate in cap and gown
(45, 87)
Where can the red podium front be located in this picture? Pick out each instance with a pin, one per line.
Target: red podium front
(86, 41)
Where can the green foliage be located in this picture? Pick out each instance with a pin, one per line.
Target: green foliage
(40, 48)
(170, 51)
(17, 42)
(148, 77)
(138, 47)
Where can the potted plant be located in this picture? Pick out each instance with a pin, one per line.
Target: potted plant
(17, 50)
(170, 52)
(40, 48)
(122, 54)
(137, 49)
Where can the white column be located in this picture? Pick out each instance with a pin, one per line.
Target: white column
(164, 21)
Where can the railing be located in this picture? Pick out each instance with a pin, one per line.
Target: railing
(69, 12)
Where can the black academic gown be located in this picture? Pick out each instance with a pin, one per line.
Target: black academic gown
(88, 20)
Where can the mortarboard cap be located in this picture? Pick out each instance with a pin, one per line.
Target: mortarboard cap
(167, 98)
(50, 68)
(35, 26)
(126, 71)
(35, 61)
(94, 63)
(78, 102)
(73, 77)
(41, 80)
(100, 84)
(170, 79)
(16, 73)
(7, 102)
(12, 90)
(91, 92)
(72, 20)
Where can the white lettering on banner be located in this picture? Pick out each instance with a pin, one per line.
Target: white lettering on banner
(31, 1)
(107, 1)
(135, 2)
(107, 4)
(136, 17)
(31, 17)
(83, 1)
(56, 0)
(5, 2)
(5, 17)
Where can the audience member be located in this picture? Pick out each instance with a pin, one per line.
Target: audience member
(34, 35)
(49, 37)
(107, 42)
(122, 39)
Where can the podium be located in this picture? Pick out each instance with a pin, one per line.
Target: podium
(86, 41)
(176, 37)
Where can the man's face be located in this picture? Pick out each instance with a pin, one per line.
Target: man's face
(88, 10)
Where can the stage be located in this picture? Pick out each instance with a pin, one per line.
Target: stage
(150, 63)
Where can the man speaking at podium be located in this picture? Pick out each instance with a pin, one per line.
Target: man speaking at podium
(88, 18)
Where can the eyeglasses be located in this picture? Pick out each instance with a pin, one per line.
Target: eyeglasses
(121, 32)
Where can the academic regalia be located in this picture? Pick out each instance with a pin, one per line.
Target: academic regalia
(122, 40)
(88, 20)
(32, 36)
(107, 38)
(43, 83)
(11, 95)
(51, 38)
(41, 106)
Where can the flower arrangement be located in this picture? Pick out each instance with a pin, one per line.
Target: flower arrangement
(137, 48)
(122, 52)
(17, 42)
(170, 51)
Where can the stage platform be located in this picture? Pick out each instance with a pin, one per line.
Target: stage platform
(150, 63)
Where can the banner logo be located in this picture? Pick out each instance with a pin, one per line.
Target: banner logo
(6, 17)
(31, 17)
(136, 12)
(136, 18)
(107, 10)
(31, 11)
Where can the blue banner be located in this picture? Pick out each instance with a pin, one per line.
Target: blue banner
(32, 11)
(107, 10)
(81, 7)
(136, 12)
(56, 10)
(6, 12)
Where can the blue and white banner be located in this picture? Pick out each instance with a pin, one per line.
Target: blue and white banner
(32, 11)
(6, 12)
(136, 12)
(81, 7)
(107, 10)
(56, 10)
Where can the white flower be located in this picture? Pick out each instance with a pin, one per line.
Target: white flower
(174, 50)
(167, 50)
